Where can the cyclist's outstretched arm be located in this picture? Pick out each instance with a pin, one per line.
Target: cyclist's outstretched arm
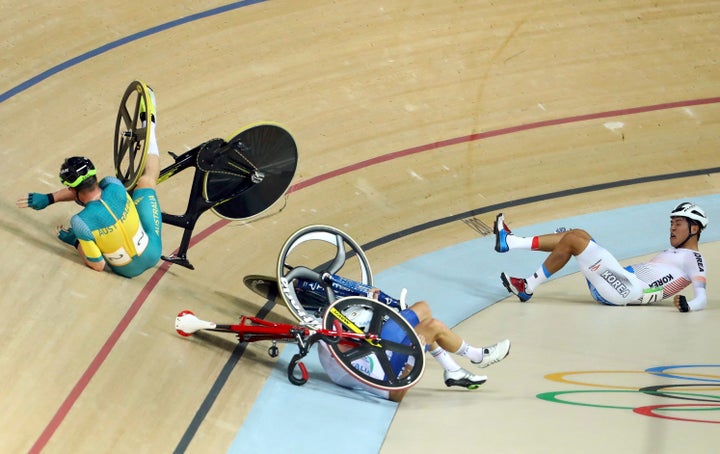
(38, 201)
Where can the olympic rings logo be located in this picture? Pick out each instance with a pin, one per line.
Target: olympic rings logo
(699, 383)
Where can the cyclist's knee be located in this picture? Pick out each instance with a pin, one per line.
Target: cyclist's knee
(431, 329)
(422, 310)
(146, 181)
(576, 240)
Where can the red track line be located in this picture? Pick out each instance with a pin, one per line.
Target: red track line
(104, 352)
(99, 359)
(495, 133)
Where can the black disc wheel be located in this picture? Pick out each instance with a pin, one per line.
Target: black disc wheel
(251, 172)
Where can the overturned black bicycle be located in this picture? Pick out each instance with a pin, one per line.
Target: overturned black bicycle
(237, 178)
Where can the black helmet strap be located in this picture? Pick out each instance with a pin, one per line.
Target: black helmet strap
(690, 234)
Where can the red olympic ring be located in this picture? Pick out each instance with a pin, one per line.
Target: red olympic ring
(650, 411)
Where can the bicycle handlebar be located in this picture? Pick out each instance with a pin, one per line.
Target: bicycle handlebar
(330, 336)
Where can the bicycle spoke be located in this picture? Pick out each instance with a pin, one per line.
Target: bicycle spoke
(397, 347)
(361, 351)
(340, 257)
(123, 149)
(376, 323)
(127, 121)
(390, 374)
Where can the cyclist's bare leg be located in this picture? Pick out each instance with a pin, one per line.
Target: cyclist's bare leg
(436, 332)
(562, 247)
(151, 173)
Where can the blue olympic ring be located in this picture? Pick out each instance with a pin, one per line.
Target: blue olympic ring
(660, 372)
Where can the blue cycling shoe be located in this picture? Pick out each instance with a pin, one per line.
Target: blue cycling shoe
(501, 232)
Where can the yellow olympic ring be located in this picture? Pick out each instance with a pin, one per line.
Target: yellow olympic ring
(560, 378)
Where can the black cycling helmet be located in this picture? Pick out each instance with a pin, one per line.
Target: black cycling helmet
(78, 172)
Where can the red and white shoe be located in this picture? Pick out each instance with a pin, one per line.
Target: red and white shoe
(516, 286)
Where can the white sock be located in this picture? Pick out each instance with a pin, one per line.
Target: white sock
(152, 146)
(445, 360)
(474, 354)
(519, 242)
(540, 276)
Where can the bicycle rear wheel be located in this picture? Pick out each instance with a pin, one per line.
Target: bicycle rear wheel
(266, 155)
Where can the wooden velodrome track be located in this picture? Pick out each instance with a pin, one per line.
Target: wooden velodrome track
(405, 114)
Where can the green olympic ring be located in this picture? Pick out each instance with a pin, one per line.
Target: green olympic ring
(553, 397)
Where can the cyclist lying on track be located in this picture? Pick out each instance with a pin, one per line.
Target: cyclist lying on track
(663, 276)
(113, 230)
(438, 337)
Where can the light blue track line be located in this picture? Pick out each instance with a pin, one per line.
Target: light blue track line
(458, 282)
(121, 42)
